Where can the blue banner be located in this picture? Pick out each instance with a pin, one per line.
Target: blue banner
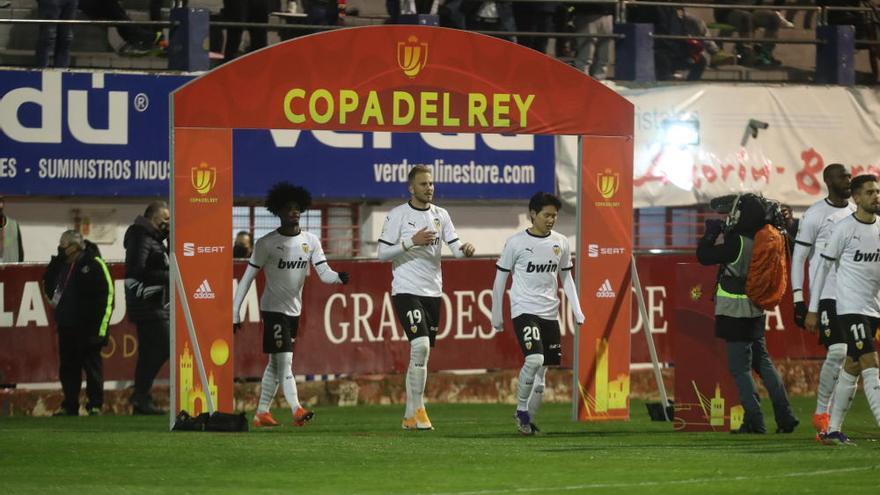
(84, 134)
(106, 134)
(347, 165)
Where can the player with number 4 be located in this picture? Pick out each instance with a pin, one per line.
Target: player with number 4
(536, 256)
(411, 240)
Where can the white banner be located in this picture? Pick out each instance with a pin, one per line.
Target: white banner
(809, 127)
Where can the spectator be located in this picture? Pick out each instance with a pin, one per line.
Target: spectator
(243, 246)
(322, 12)
(490, 15)
(695, 26)
(790, 14)
(745, 21)
(535, 17)
(55, 39)
(138, 40)
(11, 249)
(147, 299)
(78, 285)
(592, 54)
(671, 56)
(245, 11)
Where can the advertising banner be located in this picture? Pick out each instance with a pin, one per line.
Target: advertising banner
(342, 325)
(752, 137)
(604, 277)
(70, 133)
(106, 134)
(374, 165)
(706, 398)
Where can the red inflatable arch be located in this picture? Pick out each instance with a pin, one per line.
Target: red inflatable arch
(397, 79)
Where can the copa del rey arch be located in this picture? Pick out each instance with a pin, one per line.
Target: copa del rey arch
(396, 79)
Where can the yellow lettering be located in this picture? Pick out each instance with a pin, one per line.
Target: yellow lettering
(348, 102)
(477, 109)
(292, 116)
(321, 94)
(372, 110)
(523, 107)
(448, 120)
(500, 109)
(397, 118)
(428, 105)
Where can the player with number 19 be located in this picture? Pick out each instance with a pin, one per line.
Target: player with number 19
(284, 255)
(536, 256)
(411, 240)
(854, 247)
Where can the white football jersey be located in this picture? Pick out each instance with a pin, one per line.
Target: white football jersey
(417, 271)
(814, 230)
(855, 246)
(535, 263)
(285, 261)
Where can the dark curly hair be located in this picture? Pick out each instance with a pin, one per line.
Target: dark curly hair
(283, 193)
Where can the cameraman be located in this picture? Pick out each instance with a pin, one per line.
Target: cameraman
(737, 319)
(78, 285)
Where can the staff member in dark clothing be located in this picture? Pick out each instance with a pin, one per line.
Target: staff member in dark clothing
(737, 319)
(79, 287)
(146, 296)
(11, 249)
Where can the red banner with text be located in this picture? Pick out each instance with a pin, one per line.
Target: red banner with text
(352, 329)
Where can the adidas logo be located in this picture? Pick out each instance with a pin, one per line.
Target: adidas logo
(204, 291)
(605, 290)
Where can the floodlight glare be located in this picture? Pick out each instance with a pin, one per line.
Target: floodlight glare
(681, 132)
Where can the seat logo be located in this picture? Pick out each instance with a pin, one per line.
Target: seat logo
(203, 178)
(412, 56)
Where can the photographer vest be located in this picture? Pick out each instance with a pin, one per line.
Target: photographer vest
(730, 295)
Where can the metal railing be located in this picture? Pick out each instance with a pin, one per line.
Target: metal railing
(621, 7)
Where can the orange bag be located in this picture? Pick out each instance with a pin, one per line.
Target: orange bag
(768, 269)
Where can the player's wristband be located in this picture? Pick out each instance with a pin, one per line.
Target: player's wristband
(797, 295)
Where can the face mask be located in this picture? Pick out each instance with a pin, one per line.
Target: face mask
(61, 252)
(163, 228)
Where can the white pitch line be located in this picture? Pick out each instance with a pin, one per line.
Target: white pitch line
(693, 481)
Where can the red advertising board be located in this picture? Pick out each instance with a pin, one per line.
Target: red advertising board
(202, 193)
(705, 394)
(342, 325)
(604, 277)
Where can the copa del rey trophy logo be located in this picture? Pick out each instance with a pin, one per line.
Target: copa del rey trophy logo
(203, 178)
(412, 56)
(607, 183)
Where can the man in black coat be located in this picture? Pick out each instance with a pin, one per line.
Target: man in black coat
(147, 299)
(79, 287)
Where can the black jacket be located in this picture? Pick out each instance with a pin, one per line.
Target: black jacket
(86, 299)
(146, 272)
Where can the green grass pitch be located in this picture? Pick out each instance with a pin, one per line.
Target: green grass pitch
(474, 450)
